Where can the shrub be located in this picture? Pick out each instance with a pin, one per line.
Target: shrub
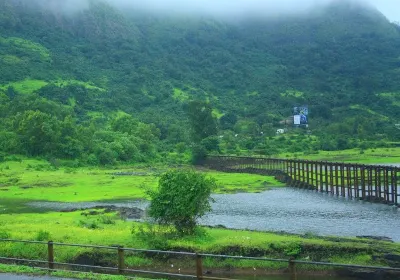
(181, 198)
(42, 236)
(4, 235)
(106, 220)
(154, 236)
(90, 224)
(199, 154)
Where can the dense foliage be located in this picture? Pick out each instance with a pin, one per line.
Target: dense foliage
(181, 198)
(101, 85)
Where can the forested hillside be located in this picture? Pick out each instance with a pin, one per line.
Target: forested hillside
(100, 85)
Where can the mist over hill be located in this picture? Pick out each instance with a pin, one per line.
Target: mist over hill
(114, 84)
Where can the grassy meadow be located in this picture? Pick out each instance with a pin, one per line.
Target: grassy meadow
(109, 229)
(36, 180)
(29, 180)
(368, 156)
(21, 269)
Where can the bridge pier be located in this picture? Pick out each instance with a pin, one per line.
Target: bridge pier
(354, 181)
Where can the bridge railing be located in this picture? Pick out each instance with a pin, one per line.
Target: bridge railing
(375, 183)
(50, 264)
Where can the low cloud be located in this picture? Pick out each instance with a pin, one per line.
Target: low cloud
(64, 6)
(390, 8)
(223, 8)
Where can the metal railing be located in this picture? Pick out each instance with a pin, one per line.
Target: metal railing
(198, 257)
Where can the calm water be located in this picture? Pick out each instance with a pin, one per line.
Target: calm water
(300, 211)
(290, 210)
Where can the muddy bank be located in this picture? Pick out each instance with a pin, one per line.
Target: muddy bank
(74, 206)
(124, 212)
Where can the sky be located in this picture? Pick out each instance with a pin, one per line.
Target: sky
(390, 8)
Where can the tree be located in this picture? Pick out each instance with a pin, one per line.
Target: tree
(39, 132)
(125, 124)
(203, 126)
(182, 197)
(211, 144)
(228, 121)
(202, 122)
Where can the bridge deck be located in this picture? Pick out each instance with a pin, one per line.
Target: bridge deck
(374, 183)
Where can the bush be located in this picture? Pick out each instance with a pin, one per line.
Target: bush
(42, 236)
(181, 198)
(199, 154)
(106, 220)
(180, 147)
(106, 156)
(4, 235)
(92, 160)
(154, 236)
(90, 224)
(211, 144)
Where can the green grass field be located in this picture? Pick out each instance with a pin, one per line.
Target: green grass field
(36, 180)
(21, 269)
(369, 156)
(28, 180)
(74, 227)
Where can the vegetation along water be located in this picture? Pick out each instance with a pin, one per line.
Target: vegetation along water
(107, 109)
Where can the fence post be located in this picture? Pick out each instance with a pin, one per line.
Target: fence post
(121, 260)
(50, 254)
(199, 267)
(292, 269)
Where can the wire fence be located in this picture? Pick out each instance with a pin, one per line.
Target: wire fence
(121, 268)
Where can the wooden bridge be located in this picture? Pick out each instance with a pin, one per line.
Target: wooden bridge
(374, 183)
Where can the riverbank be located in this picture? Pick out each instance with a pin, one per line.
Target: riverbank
(98, 227)
(37, 180)
(27, 181)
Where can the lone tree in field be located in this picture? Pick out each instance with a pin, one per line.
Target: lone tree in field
(181, 198)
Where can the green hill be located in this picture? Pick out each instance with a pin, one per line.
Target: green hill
(100, 85)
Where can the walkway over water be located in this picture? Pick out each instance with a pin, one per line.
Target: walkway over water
(374, 183)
